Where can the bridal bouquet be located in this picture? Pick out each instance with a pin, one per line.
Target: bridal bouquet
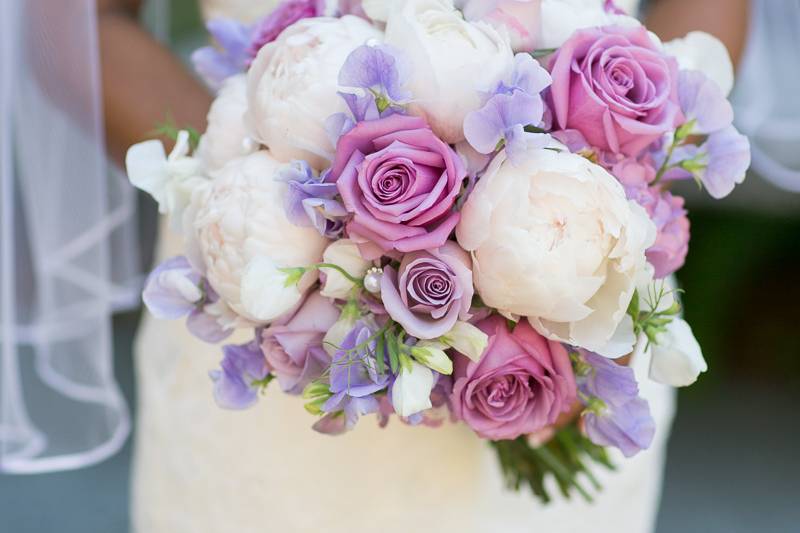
(448, 211)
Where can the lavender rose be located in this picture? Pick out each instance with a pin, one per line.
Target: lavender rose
(286, 14)
(293, 348)
(430, 291)
(400, 182)
(616, 87)
(521, 384)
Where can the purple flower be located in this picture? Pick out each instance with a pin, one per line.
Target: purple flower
(231, 57)
(354, 377)
(668, 253)
(236, 383)
(516, 103)
(175, 290)
(283, 16)
(310, 201)
(703, 102)
(400, 182)
(725, 161)
(616, 415)
(615, 86)
(293, 347)
(430, 291)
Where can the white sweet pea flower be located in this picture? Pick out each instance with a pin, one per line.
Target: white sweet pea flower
(704, 52)
(411, 392)
(677, 359)
(344, 254)
(170, 180)
(467, 340)
(243, 239)
(451, 61)
(432, 355)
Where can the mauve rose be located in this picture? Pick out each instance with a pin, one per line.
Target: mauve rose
(286, 14)
(615, 86)
(400, 182)
(430, 291)
(293, 347)
(521, 384)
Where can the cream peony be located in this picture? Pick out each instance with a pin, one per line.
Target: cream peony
(226, 137)
(244, 238)
(451, 61)
(561, 18)
(704, 52)
(292, 86)
(555, 240)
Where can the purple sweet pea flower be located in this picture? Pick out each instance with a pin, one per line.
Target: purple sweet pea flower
(430, 291)
(293, 347)
(310, 201)
(287, 13)
(175, 290)
(400, 182)
(726, 160)
(703, 102)
(235, 384)
(231, 57)
(515, 103)
(616, 415)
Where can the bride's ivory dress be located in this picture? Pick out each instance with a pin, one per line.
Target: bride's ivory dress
(199, 469)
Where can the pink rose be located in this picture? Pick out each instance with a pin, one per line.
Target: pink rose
(521, 384)
(286, 14)
(400, 183)
(616, 87)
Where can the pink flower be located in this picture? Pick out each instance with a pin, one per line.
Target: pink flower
(400, 183)
(521, 384)
(520, 18)
(616, 87)
(286, 14)
(668, 253)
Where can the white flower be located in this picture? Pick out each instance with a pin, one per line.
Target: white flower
(344, 254)
(561, 18)
(239, 10)
(704, 52)
(432, 355)
(521, 19)
(451, 61)
(677, 359)
(411, 392)
(555, 240)
(377, 10)
(467, 340)
(292, 86)
(169, 180)
(226, 137)
(243, 235)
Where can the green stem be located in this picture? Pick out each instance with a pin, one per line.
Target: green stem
(340, 270)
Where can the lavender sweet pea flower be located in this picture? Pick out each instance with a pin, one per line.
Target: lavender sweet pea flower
(287, 13)
(703, 102)
(175, 290)
(430, 291)
(515, 103)
(235, 384)
(616, 415)
(727, 158)
(310, 201)
(293, 347)
(231, 57)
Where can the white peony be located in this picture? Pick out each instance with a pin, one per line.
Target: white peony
(292, 86)
(170, 180)
(244, 237)
(561, 18)
(411, 392)
(555, 240)
(451, 61)
(344, 254)
(704, 52)
(226, 137)
(677, 359)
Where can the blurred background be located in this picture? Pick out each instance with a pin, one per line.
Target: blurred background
(733, 464)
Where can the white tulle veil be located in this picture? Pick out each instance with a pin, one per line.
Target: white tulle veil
(68, 248)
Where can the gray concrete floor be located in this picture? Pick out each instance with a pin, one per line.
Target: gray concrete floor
(733, 468)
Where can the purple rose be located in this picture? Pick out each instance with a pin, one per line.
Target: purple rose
(293, 348)
(521, 384)
(286, 14)
(616, 87)
(666, 211)
(400, 182)
(430, 291)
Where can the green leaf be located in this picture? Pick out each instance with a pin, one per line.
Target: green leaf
(394, 352)
(542, 52)
(380, 343)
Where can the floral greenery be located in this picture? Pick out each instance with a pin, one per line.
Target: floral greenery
(566, 457)
(170, 130)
